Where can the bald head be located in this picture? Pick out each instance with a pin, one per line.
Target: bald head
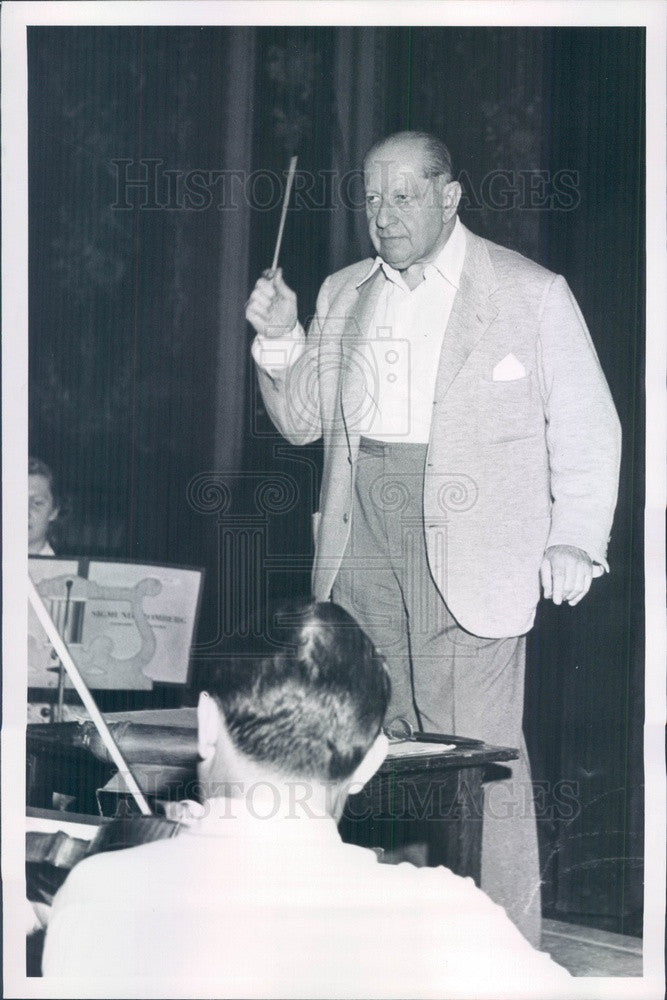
(432, 152)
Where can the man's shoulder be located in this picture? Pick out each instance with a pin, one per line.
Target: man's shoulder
(113, 872)
(512, 266)
(407, 880)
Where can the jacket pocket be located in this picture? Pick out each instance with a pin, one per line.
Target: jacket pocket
(506, 410)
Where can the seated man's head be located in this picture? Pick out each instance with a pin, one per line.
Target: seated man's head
(308, 706)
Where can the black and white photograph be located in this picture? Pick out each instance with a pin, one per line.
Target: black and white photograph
(334, 448)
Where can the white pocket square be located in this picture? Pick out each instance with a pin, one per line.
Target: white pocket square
(508, 370)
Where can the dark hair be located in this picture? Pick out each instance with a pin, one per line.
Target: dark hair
(36, 467)
(437, 158)
(310, 704)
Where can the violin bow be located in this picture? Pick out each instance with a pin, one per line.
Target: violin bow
(60, 646)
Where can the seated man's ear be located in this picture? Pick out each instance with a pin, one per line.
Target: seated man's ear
(208, 725)
(372, 761)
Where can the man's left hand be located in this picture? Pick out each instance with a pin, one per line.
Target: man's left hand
(566, 574)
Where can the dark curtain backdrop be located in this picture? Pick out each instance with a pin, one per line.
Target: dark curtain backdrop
(141, 392)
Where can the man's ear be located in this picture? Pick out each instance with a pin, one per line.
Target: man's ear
(372, 761)
(208, 725)
(450, 195)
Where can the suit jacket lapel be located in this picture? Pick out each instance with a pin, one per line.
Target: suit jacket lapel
(358, 377)
(471, 315)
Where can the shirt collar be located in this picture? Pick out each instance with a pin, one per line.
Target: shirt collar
(448, 263)
(259, 814)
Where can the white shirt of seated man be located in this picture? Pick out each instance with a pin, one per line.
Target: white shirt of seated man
(259, 897)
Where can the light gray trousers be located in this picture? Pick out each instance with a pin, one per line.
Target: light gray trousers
(443, 678)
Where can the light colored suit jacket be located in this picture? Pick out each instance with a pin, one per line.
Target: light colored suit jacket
(524, 449)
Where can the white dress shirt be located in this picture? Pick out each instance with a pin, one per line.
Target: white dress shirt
(258, 904)
(401, 353)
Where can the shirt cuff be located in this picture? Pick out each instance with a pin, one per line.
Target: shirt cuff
(275, 354)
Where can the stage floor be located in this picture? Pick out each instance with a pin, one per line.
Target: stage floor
(585, 951)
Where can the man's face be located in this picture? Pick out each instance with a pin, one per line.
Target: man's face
(404, 208)
(41, 511)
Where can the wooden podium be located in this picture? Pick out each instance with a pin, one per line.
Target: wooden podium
(425, 805)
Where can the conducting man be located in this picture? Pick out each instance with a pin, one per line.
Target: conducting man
(471, 451)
